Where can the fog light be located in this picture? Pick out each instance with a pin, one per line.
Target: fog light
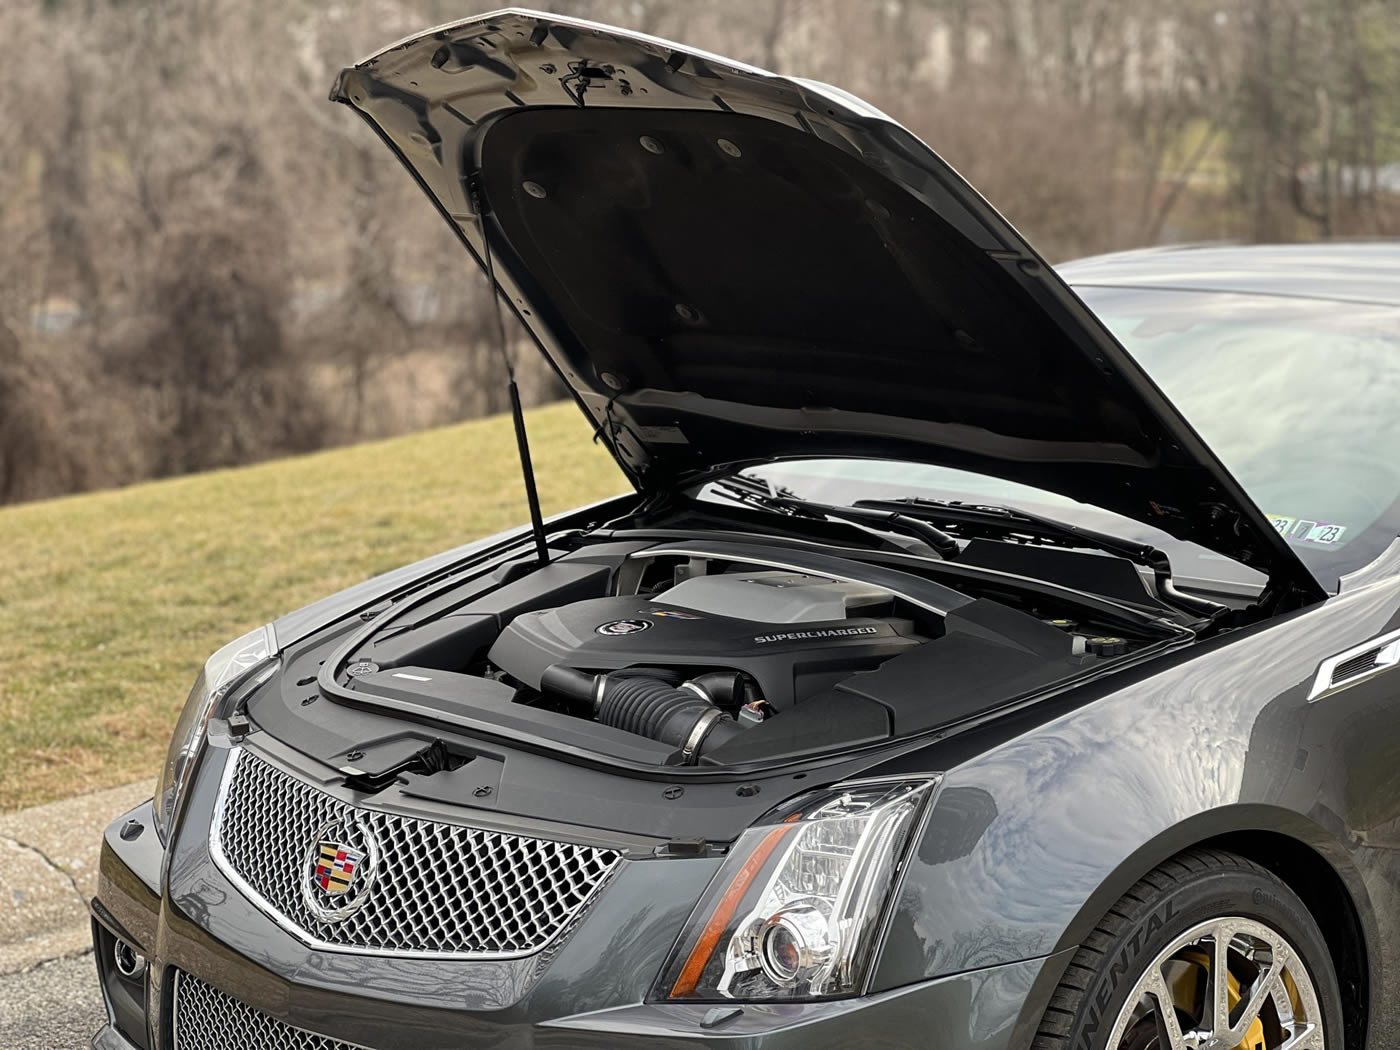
(130, 963)
(795, 944)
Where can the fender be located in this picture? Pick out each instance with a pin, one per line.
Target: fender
(1241, 821)
(1038, 830)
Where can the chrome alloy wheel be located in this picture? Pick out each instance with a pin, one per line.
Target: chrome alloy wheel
(1228, 984)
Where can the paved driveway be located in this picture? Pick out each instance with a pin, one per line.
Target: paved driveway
(55, 1006)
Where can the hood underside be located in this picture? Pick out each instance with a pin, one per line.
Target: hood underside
(729, 267)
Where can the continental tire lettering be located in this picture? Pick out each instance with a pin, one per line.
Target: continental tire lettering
(1264, 898)
(1090, 1028)
(1137, 940)
(1158, 918)
(1118, 968)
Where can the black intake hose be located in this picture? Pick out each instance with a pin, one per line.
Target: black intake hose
(722, 688)
(646, 705)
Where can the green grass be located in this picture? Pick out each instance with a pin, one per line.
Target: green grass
(109, 602)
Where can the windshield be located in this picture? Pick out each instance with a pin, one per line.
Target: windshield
(1296, 396)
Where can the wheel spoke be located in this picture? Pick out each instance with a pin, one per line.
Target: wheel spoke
(1268, 984)
(1283, 1004)
(1310, 1038)
(1281, 986)
(1220, 981)
(1169, 1036)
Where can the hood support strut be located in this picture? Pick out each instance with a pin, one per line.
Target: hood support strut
(517, 414)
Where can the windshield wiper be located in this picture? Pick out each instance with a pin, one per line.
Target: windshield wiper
(758, 493)
(970, 520)
(916, 516)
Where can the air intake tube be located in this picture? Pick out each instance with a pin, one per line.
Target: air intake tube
(638, 702)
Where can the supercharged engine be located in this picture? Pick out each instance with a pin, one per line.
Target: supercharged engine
(693, 663)
(719, 653)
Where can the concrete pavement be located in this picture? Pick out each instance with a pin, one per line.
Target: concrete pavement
(54, 1006)
(48, 872)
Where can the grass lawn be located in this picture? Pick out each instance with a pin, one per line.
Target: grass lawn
(110, 601)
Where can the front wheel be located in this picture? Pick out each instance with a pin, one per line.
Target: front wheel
(1208, 952)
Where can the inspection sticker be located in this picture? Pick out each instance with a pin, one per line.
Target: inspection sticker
(1319, 532)
(1305, 530)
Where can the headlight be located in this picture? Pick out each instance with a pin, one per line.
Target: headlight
(796, 910)
(232, 666)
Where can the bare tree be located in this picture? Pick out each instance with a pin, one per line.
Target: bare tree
(209, 264)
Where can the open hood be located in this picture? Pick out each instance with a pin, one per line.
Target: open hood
(728, 267)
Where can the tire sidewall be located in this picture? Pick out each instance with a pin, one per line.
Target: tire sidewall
(1212, 895)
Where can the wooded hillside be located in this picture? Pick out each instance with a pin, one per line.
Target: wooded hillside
(207, 263)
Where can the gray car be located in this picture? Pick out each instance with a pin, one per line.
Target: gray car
(979, 663)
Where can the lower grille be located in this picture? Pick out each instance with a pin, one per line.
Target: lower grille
(424, 888)
(207, 1019)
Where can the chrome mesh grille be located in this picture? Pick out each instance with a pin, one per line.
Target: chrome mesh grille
(438, 889)
(207, 1019)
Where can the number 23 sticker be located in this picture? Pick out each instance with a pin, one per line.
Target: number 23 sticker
(1302, 530)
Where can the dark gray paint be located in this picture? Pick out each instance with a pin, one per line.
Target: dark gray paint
(1044, 817)
(1031, 841)
(607, 964)
(1042, 821)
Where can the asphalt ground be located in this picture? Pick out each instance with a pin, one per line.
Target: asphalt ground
(55, 1006)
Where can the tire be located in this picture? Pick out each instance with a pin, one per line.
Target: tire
(1197, 896)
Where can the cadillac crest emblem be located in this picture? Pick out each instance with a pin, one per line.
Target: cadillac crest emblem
(339, 870)
(336, 868)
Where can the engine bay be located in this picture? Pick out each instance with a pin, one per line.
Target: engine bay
(783, 633)
(717, 653)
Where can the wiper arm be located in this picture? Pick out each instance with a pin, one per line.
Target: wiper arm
(979, 519)
(969, 520)
(758, 493)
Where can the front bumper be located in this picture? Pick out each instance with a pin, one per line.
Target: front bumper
(271, 989)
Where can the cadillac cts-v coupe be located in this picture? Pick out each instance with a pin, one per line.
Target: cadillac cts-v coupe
(978, 664)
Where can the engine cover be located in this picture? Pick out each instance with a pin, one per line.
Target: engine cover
(791, 633)
(769, 596)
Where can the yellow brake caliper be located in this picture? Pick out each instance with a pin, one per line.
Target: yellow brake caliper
(1187, 992)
